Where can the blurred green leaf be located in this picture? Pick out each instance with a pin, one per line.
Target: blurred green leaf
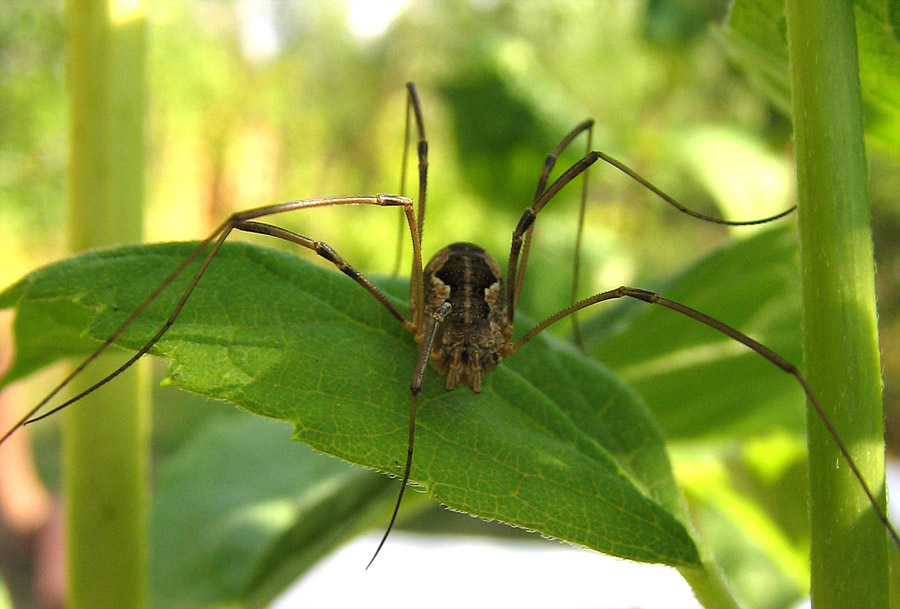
(500, 137)
(703, 386)
(554, 443)
(697, 381)
(675, 23)
(238, 513)
(59, 337)
(759, 582)
(743, 177)
(760, 512)
(755, 34)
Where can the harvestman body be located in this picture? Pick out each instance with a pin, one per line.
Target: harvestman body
(462, 314)
(475, 333)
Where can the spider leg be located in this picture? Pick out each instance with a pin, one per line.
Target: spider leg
(529, 215)
(214, 242)
(786, 366)
(414, 107)
(431, 328)
(549, 163)
(325, 251)
(422, 151)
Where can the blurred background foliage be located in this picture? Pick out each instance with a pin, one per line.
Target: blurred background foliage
(255, 102)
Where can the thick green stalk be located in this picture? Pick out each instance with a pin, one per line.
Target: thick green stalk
(848, 545)
(105, 438)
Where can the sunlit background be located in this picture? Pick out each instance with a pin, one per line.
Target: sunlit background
(258, 101)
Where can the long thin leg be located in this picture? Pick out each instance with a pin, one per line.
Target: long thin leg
(425, 348)
(413, 106)
(215, 240)
(416, 287)
(786, 366)
(325, 251)
(579, 234)
(570, 174)
(402, 192)
(549, 164)
(422, 151)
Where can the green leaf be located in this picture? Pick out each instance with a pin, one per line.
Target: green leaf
(749, 508)
(59, 337)
(697, 382)
(554, 443)
(714, 398)
(238, 512)
(756, 35)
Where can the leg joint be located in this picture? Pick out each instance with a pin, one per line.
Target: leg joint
(640, 294)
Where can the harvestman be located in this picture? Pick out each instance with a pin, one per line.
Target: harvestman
(462, 316)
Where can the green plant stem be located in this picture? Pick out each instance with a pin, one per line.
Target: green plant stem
(105, 437)
(848, 543)
(710, 586)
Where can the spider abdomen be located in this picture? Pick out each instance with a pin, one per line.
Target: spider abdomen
(472, 339)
